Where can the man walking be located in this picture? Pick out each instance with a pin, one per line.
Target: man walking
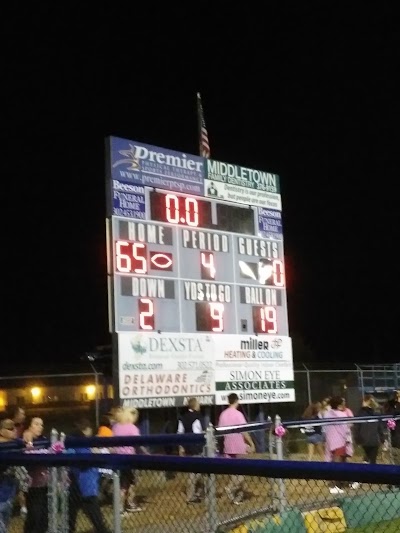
(235, 445)
(192, 422)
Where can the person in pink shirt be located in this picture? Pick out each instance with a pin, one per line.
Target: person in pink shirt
(338, 439)
(349, 413)
(235, 445)
(125, 426)
(346, 409)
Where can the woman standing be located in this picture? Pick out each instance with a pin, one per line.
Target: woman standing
(126, 426)
(369, 435)
(338, 439)
(36, 499)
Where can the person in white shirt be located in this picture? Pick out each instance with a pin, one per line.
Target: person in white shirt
(192, 422)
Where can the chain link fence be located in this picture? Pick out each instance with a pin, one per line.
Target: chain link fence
(70, 492)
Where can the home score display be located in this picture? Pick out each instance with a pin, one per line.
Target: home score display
(196, 260)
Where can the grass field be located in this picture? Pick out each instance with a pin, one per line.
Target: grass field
(393, 526)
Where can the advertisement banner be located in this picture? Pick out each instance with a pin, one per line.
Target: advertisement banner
(270, 223)
(242, 185)
(128, 201)
(258, 369)
(165, 370)
(133, 164)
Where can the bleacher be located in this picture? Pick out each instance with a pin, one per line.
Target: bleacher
(378, 379)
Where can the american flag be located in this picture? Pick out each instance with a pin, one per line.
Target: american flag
(203, 135)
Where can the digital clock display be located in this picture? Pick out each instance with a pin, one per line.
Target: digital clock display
(177, 209)
(197, 213)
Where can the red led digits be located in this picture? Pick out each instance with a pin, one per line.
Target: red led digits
(207, 268)
(278, 273)
(217, 317)
(180, 210)
(146, 314)
(130, 257)
(268, 320)
(209, 317)
(192, 212)
(265, 320)
(172, 208)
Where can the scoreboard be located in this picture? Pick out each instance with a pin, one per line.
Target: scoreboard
(197, 289)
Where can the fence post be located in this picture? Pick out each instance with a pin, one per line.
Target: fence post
(63, 485)
(211, 489)
(272, 456)
(390, 448)
(278, 439)
(116, 502)
(259, 436)
(308, 385)
(52, 493)
(279, 454)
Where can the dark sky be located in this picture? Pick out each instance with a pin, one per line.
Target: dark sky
(308, 92)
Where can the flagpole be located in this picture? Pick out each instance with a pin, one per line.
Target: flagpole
(204, 145)
(199, 120)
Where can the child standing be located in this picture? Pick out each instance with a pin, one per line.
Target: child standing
(84, 489)
(126, 426)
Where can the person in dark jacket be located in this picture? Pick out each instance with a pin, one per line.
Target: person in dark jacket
(393, 409)
(84, 489)
(171, 427)
(369, 435)
(192, 422)
(37, 515)
(10, 476)
(315, 439)
(8, 490)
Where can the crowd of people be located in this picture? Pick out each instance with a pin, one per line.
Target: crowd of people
(27, 488)
(335, 442)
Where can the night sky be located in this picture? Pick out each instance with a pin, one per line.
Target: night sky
(307, 92)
